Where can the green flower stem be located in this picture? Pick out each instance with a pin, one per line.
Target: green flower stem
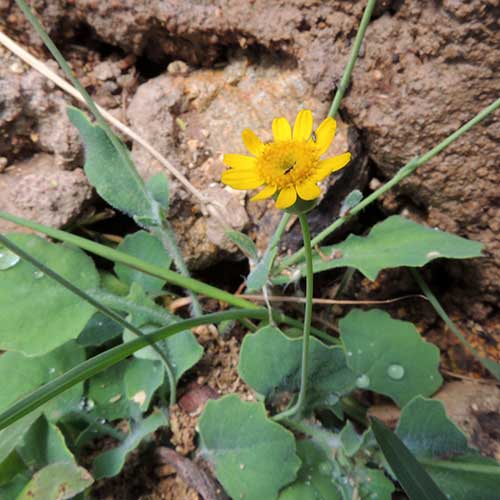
(160, 272)
(344, 83)
(98, 305)
(298, 406)
(404, 172)
(112, 356)
(490, 365)
(169, 240)
(346, 77)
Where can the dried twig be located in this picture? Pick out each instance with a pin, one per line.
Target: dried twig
(192, 474)
(284, 298)
(207, 206)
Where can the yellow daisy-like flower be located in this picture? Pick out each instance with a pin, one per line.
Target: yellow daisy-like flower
(290, 166)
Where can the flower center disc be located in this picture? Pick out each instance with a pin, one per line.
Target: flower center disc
(287, 163)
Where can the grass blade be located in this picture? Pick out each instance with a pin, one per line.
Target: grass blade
(112, 356)
(489, 364)
(417, 484)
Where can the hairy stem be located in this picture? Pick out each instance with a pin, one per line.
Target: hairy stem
(169, 240)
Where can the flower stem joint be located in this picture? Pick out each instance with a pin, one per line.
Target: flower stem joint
(290, 167)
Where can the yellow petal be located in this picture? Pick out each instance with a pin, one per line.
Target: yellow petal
(239, 161)
(325, 134)
(287, 197)
(330, 165)
(252, 142)
(303, 126)
(241, 179)
(267, 192)
(308, 190)
(282, 130)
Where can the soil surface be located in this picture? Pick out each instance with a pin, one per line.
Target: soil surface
(189, 76)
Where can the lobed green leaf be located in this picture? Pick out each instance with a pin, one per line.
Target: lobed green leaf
(389, 356)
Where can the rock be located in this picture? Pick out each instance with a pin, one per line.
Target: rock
(35, 190)
(33, 116)
(193, 119)
(426, 71)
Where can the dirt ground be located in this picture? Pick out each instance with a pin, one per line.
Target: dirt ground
(189, 76)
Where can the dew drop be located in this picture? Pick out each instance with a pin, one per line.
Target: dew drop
(349, 353)
(38, 274)
(52, 370)
(325, 468)
(396, 372)
(8, 259)
(363, 381)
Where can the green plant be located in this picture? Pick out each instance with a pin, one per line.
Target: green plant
(97, 348)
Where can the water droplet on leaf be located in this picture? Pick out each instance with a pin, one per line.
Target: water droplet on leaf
(325, 468)
(38, 274)
(363, 381)
(8, 259)
(396, 372)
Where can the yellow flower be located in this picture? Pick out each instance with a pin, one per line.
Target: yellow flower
(290, 165)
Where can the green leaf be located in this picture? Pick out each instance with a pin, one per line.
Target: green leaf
(12, 435)
(258, 277)
(43, 445)
(350, 439)
(107, 391)
(142, 378)
(182, 350)
(314, 479)
(12, 466)
(443, 450)
(59, 481)
(244, 243)
(412, 476)
(26, 374)
(395, 242)
(389, 356)
(148, 248)
(99, 330)
(350, 201)
(55, 314)
(158, 187)
(114, 178)
(111, 462)
(83, 371)
(254, 457)
(270, 363)
(372, 484)
(13, 488)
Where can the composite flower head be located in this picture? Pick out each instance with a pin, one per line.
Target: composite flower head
(290, 166)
